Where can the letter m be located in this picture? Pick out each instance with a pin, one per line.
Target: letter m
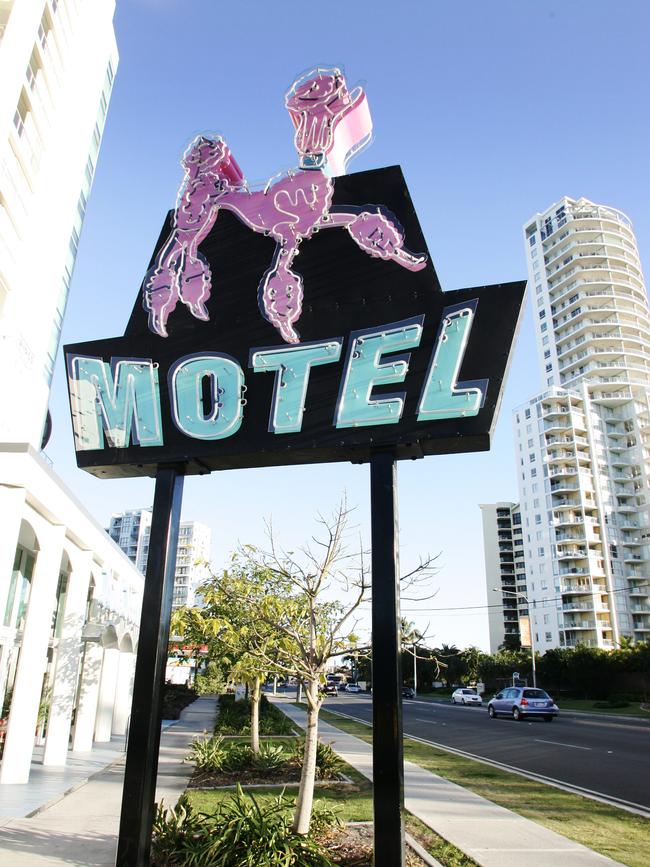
(118, 401)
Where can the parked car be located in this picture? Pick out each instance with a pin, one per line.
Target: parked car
(523, 701)
(329, 689)
(408, 692)
(352, 687)
(465, 695)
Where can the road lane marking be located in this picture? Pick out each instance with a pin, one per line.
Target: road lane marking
(560, 744)
(430, 721)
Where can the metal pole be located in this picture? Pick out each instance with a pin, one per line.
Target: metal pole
(387, 746)
(141, 769)
(532, 642)
(415, 671)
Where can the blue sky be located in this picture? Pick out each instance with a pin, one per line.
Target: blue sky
(494, 110)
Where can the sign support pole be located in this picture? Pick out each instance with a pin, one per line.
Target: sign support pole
(387, 743)
(141, 769)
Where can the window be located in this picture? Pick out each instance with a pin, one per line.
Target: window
(530, 443)
(538, 519)
(540, 552)
(547, 353)
(544, 327)
(531, 457)
(533, 472)
(527, 413)
(542, 314)
(548, 636)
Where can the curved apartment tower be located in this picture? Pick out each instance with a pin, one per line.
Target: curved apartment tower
(583, 446)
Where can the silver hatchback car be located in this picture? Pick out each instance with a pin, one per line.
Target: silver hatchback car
(523, 701)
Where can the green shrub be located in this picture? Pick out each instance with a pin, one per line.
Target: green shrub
(210, 682)
(176, 697)
(208, 754)
(240, 833)
(234, 718)
(328, 764)
(269, 759)
(611, 703)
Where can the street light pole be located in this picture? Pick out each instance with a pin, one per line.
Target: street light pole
(415, 671)
(532, 630)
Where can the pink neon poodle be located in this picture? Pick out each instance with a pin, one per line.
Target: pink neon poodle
(332, 124)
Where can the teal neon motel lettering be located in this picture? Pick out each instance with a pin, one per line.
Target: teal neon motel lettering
(365, 369)
(120, 403)
(443, 396)
(292, 366)
(226, 382)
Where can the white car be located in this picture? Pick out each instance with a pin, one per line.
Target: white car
(352, 687)
(466, 696)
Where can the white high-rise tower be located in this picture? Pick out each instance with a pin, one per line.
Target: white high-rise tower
(70, 600)
(583, 458)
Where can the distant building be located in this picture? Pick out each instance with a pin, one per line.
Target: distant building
(131, 530)
(583, 445)
(505, 572)
(70, 600)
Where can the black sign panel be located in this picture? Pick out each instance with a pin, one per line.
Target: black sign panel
(381, 358)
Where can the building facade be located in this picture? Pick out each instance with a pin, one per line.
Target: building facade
(583, 445)
(505, 572)
(57, 63)
(70, 599)
(131, 530)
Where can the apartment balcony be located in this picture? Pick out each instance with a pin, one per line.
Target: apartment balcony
(561, 457)
(585, 623)
(576, 553)
(570, 441)
(574, 571)
(577, 606)
(562, 537)
(562, 486)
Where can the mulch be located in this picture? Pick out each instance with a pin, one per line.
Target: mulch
(352, 846)
(246, 777)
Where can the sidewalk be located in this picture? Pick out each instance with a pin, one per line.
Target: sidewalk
(81, 828)
(493, 836)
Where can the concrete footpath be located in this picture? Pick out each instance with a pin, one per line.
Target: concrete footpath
(81, 828)
(493, 836)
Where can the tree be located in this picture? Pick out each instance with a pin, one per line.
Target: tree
(232, 601)
(310, 627)
(452, 664)
(472, 657)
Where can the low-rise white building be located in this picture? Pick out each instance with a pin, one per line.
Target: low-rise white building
(70, 601)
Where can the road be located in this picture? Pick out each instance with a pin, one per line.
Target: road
(607, 756)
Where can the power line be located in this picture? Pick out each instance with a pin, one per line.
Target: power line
(547, 600)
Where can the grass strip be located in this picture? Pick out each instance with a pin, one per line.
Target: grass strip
(606, 829)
